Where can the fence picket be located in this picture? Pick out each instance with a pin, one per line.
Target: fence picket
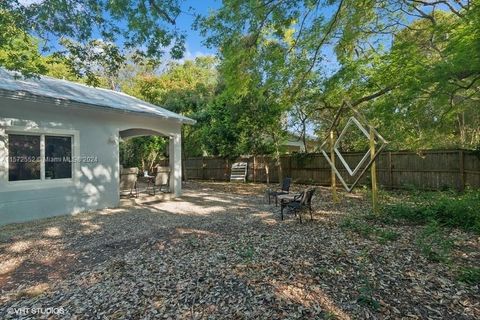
(436, 169)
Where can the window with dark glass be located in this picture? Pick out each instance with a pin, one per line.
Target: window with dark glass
(23, 157)
(58, 157)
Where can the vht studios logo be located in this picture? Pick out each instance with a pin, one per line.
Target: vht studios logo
(36, 311)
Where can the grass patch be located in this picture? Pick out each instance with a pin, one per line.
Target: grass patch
(366, 299)
(434, 243)
(368, 231)
(247, 252)
(357, 226)
(367, 288)
(329, 315)
(385, 236)
(449, 209)
(469, 275)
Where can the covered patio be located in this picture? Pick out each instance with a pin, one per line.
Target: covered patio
(174, 156)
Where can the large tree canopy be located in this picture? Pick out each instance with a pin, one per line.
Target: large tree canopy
(186, 88)
(411, 67)
(93, 34)
(408, 65)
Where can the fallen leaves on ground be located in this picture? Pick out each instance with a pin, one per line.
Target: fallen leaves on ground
(222, 253)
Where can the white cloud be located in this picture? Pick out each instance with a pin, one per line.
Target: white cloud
(189, 55)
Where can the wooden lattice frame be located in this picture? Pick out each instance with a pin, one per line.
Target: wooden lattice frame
(381, 140)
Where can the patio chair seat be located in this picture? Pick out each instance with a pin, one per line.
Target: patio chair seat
(294, 205)
(299, 202)
(162, 179)
(128, 181)
(277, 193)
(285, 189)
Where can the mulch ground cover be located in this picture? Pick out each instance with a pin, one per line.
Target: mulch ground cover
(221, 252)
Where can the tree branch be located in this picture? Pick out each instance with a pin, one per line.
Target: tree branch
(325, 36)
(372, 96)
(162, 12)
(434, 3)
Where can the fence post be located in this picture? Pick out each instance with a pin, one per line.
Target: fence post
(254, 169)
(373, 172)
(204, 164)
(461, 156)
(227, 164)
(390, 170)
(290, 166)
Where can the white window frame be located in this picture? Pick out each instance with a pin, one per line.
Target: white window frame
(6, 185)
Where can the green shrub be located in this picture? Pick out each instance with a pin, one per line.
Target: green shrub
(447, 208)
(369, 301)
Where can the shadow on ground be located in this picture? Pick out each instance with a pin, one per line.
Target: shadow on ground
(219, 251)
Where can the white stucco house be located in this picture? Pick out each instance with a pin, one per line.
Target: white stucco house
(59, 145)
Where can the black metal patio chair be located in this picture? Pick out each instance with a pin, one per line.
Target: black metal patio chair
(298, 203)
(284, 189)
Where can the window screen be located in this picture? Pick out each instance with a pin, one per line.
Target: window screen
(23, 157)
(58, 157)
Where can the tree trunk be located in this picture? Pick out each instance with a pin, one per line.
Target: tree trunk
(304, 134)
(267, 173)
(152, 163)
(278, 161)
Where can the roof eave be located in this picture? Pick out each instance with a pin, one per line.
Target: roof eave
(25, 95)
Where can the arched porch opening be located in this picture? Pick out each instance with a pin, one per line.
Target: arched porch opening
(173, 153)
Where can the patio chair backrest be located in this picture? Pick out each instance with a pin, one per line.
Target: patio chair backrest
(128, 178)
(286, 184)
(305, 197)
(163, 176)
(308, 196)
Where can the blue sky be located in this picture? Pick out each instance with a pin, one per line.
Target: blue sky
(194, 46)
(184, 22)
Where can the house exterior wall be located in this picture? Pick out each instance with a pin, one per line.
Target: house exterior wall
(95, 179)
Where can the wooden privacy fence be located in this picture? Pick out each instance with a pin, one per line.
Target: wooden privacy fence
(433, 170)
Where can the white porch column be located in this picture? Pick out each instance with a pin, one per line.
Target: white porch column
(3, 157)
(175, 159)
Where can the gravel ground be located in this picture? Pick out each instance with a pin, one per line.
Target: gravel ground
(220, 252)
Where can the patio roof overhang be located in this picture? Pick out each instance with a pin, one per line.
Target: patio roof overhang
(138, 132)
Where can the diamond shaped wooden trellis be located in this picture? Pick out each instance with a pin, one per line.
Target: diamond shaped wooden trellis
(364, 160)
(351, 121)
